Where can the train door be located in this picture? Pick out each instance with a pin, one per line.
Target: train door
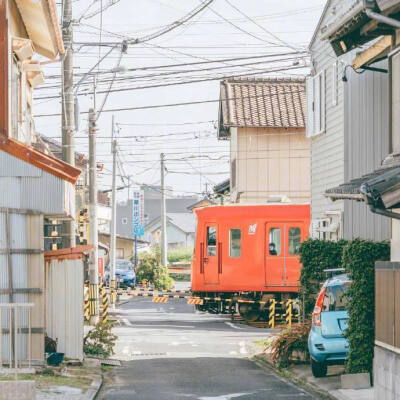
(275, 253)
(211, 256)
(282, 253)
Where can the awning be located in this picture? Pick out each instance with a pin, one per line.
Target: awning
(379, 189)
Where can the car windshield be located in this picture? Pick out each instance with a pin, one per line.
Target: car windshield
(124, 266)
(335, 298)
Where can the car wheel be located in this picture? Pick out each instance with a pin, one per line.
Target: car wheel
(319, 369)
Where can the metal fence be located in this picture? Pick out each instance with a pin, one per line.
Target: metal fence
(15, 337)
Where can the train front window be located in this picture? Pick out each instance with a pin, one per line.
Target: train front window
(235, 241)
(294, 241)
(274, 241)
(211, 240)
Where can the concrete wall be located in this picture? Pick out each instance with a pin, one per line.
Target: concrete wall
(270, 163)
(386, 374)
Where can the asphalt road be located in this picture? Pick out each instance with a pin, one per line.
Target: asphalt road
(172, 352)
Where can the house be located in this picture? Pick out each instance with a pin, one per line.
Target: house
(34, 186)
(181, 229)
(265, 120)
(203, 202)
(347, 122)
(374, 25)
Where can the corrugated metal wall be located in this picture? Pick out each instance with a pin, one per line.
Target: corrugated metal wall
(27, 273)
(64, 305)
(366, 101)
(25, 186)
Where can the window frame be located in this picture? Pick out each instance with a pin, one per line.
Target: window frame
(208, 239)
(230, 242)
(288, 242)
(316, 95)
(280, 241)
(335, 84)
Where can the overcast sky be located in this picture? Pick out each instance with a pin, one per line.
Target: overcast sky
(194, 156)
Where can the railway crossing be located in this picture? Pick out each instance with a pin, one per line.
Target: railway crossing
(277, 312)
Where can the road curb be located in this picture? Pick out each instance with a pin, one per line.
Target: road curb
(94, 389)
(285, 374)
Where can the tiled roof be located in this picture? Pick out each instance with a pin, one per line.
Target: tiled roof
(255, 102)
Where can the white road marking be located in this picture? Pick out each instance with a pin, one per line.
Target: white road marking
(232, 325)
(126, 321)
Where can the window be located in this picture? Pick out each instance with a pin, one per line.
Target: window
(120, 253)
(124, 221)
(315, 87)
(336, 298)
(211, 240)
(334, 84)
(274, 242)
(235, 243)
(233, 174)
(294, 241)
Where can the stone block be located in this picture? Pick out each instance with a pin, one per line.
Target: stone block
(355, 381)
(21, 390)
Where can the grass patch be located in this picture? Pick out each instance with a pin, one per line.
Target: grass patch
(44, 381)
(107, 368)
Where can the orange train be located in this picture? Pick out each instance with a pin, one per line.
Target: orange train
(248, 252)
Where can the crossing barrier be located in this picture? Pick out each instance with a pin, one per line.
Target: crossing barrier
(160, 299)
(278, 312)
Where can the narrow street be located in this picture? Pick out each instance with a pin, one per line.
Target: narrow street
(170, 351)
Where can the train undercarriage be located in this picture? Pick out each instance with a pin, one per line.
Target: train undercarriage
(251, 306)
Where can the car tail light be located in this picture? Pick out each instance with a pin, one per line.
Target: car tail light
(316, 317)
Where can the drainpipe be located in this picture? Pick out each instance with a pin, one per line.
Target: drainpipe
(382, 18)
(385, 213)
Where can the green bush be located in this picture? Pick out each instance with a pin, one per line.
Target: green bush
(100, 341)
(183, 255)
(151, 270)
(359, 258)
(316, 255)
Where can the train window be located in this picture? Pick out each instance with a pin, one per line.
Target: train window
(294, 241)
(275, 241)
(235, 243)
(211, 240)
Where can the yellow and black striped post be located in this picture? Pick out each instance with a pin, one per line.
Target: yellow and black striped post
(113, 296)
(93, 299)
(288, 312)
(104, 303)
(271, 320)
(86, 312)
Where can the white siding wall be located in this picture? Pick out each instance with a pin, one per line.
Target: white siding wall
(327, 149)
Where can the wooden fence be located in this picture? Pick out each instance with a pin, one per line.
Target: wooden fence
(387, 303)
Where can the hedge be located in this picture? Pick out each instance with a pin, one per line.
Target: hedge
(359, 258)
(317, 255)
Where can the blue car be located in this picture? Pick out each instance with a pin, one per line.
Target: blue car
(124, 273)
(326, 342)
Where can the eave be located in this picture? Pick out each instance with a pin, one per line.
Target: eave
(41, 23)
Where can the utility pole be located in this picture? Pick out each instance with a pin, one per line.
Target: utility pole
(113, 230)
(68, 119)
(94, 239)
(164, 247)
